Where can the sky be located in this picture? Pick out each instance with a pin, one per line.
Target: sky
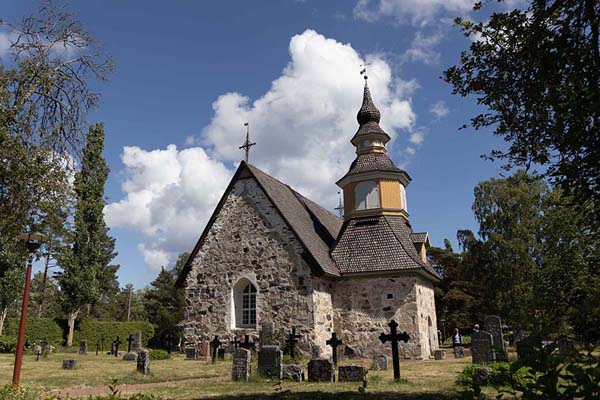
(189, 74)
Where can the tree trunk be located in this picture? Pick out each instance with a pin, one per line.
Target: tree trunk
(71, 322)
(3, 318)
(42, 299)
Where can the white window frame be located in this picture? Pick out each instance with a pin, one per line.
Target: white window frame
(366, 196)
(248, 306)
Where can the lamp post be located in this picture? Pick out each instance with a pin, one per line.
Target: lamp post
(33, 242)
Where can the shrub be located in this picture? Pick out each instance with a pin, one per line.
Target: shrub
(92, 330)
(10, 392)
(8, 344)
(157, 354)
(37, 330)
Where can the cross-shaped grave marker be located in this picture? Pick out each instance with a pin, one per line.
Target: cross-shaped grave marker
(214, 345)
(291, 342)
(394, 337)
(129, 341)
(334, 342)
(236, 343)
(117, 342)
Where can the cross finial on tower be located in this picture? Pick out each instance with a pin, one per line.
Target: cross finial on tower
(247, 144)
(364, 70)
(340, 207)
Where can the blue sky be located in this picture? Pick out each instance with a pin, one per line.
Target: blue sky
(188, 74)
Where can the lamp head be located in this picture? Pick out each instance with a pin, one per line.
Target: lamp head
(32, 240)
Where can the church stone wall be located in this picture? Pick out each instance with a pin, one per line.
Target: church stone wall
(427, 317)
(363, 308)
(250, 240)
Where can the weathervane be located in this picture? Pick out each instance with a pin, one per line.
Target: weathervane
(364, 70)
(247, 144)
(340, 207)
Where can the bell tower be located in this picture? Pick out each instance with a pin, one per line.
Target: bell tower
(373, 185)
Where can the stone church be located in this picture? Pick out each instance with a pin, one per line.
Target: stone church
(270, 254)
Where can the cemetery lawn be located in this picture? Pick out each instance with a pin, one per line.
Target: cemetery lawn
(180, 379)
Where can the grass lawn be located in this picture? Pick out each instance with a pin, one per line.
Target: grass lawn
(197, 379)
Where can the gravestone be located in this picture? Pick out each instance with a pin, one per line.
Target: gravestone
(394, 337)
(380, 362)
(248, 343)
(221, 354)
(320, 370)
(267, 334)
(270, 361)
(130, 356)
(482, 347)
(351, 373)
(83, 347)
(334, 342)
(203, 350)
(69, 363)
(191, 352)
(566, 346)
(493, 325)
(240, 370)
(143, 362)
(214, 346)
(137, 341)
(291, 343)
(481, 375)
(439, 354)
(518, 336)
(293, 373)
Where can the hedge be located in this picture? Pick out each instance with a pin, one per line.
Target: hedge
(92, 330)
(37, 329)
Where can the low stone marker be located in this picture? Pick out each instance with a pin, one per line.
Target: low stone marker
(221, 354)
(203, 350)
(482, 347)
(143, 362)
(240, 370)
(566, 346)
(293, 373)
(69, 363)
(270, 362)
(83, 347)
(130, 356)
(267, 333)
(493, 325)
(320, 370)
(439, 354)
(351, 373)
(380, 362)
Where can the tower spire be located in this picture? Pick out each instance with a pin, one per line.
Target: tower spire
(368, 112)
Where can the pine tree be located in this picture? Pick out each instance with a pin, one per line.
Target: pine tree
(92, 248)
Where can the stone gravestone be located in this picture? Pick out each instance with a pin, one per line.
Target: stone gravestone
(351, 373)
(240, 370)
(203, 350)
(439, 354)
(69, 363)
(293, 373)
(221, 354)
(130, 356)
(191, 352)
(566, 346)
(267, 333)
(380, 362)
(137, 341)
(83, 347)
(482, 347)
(320, 370)
(270, 361)
(493, 325)
(143, 362)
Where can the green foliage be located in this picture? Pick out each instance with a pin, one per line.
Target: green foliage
(92, 330)
(10, 392)
(164, 307)
(38, 329)
(8, 344)
(537, 72)
(159, 354)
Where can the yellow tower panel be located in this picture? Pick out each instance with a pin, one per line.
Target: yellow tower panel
(390, 193)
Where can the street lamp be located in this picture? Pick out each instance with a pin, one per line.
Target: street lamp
(33, 242)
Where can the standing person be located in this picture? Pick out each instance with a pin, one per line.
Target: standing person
(457, 344)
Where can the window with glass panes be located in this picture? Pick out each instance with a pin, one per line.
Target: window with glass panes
(249, 305)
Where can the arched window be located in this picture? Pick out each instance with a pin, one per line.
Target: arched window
(244, 304)
(366, 195)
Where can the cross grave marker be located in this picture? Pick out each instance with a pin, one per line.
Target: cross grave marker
(236, 343)
(334, 342)
(291, 342)
(214, 345)
(394, 337)
(117, 342)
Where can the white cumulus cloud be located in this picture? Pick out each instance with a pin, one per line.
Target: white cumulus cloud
(439, 109)
(302, 126)
(416, 12)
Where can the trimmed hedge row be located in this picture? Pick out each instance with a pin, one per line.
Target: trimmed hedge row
(92, 330)
(37, 329)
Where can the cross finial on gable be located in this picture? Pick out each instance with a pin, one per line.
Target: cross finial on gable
(247, 144)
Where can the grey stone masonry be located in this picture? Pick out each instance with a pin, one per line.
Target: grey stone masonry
(493, 325)
(320, 370)
(69, 363)
(351, 373)
(482, 347)
(137, 341)
(240, 370)
(270, 359)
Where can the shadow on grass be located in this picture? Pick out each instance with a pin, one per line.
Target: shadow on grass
(341, 396)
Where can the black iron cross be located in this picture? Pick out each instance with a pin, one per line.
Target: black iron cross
(129, 340)
(117, 342)
(247, 144)
(214, 345)
(394, 337)
(334, 342)
(291, 342)
(236, 343)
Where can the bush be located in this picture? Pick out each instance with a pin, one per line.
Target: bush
(8, 344)
(501, 375)
(157, 354)
(37, 330)
(92, 330)
(10, 392)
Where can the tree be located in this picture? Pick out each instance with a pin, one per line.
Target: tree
(180, 263)
(164, 304)
(537, 73)
(12, 279)
(90, 253)
(44, 290)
